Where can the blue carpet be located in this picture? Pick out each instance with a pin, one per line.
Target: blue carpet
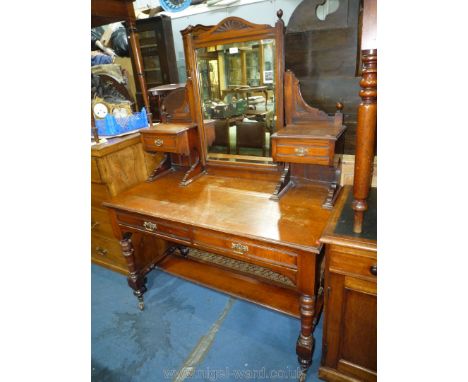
(187, 329)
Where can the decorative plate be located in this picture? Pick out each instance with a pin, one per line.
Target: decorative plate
(174, 5)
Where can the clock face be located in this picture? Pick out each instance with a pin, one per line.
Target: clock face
(100, 110)
(174, 5)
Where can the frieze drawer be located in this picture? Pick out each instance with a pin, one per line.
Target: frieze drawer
(160, 228)
(243, 249)
(346, 262)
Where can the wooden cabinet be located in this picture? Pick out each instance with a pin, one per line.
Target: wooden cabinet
(115, 166)
(157, 51)
(349, 350)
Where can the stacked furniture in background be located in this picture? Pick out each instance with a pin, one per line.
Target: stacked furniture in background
(158, 54)
(118, 163)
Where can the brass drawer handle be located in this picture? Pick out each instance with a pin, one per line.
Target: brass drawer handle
(150, 226)
(239, 248)
(158, 142)
(300, 151)
(101, 251)
(373, 270)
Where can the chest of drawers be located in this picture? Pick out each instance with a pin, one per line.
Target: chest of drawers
(116, 165)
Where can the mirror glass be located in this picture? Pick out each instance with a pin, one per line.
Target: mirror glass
(237, 90)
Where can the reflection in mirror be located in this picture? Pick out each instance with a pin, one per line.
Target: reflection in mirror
(237, 90)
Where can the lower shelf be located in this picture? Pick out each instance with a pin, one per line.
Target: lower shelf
(270, 296)
(332, 375)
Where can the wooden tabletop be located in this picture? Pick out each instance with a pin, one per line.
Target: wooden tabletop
(170, 128)
(157, 90)
(339, 229)
(314, 130)
(114, 144)
(234, 206)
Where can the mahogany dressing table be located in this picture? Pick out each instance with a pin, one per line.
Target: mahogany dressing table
(225, 224)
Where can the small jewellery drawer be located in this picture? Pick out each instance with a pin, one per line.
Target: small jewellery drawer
(230, 245)
(166, 230)
(164, 143)
(348, 263)
(302, 151)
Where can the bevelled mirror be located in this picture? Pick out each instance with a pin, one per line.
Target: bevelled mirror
(237, 68)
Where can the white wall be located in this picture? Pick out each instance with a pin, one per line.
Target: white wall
(256, 11)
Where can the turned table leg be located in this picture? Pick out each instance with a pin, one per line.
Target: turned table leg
(365, 137)
(135, 280)
(306, 342)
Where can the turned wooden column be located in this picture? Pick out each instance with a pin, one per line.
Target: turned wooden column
(306, 342)
(365, 136)
(138, 65)
(135, 280)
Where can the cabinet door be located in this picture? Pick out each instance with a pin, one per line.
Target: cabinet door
(351, 328)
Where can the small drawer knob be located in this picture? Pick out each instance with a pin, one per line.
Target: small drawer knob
(158, 142)
(149, 226)
(373, 270)
(300, 151)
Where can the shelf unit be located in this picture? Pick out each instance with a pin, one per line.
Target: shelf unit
(157, 51)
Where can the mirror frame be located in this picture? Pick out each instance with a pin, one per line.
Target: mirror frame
(232, 30)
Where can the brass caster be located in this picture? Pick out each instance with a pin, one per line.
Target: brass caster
(302, 376)
(141, 305)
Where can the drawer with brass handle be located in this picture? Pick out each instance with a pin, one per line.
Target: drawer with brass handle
(239, 248)
(242, 249)
(159, 142)
(346, 262)
(100, 222)
(168, 138)
(168, 230)
(301, 151)
(149, 226)
(105, 250)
